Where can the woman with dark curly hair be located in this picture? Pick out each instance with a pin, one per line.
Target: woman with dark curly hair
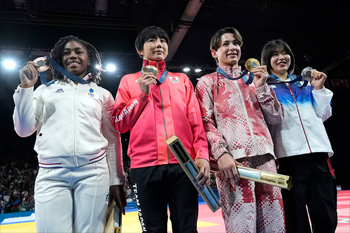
(79, 151)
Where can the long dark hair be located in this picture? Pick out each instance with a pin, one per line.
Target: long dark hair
(94, 58)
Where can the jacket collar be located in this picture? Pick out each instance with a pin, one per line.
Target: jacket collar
(160, 65)
(87, 77)
(232, 72)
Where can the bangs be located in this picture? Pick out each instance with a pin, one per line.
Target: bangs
(148, 33)
(277, 45)
(270, 48)
(156, 33)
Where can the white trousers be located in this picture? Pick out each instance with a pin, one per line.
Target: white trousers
(72, 199)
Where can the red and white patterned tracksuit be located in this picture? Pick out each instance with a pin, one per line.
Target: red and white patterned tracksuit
(248, 206)
(234, 117)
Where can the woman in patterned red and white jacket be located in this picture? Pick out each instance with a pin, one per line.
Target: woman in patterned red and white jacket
(235, 116)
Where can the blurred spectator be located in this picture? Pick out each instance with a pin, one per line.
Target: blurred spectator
(17, 177)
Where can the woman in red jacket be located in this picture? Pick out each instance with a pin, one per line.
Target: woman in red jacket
(154, 108)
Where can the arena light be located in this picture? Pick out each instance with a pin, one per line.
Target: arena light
(111, 68)
(97, 66)
(186, 69)
(197, 70)
(9, 64)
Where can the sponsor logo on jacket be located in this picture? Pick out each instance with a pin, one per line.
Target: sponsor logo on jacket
(126, 111)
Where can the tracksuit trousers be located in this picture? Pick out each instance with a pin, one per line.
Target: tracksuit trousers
(157, 186)
(72, 199)
(249, 206)
(314, 192)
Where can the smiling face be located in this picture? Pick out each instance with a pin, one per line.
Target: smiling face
(154, 49)
(75, 59)
(280, 61)
(229, 52)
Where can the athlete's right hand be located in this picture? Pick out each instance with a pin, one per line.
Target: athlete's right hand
(29, 75)
(145, 82)
(228, 166)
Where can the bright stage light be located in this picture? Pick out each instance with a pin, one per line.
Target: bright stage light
(197, 70)
(9, 64)
(97, 67)
(111, 68)
(186, 69)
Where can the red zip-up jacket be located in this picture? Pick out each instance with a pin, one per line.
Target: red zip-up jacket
(170, 108)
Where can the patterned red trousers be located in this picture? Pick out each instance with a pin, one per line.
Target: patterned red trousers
(248, 206)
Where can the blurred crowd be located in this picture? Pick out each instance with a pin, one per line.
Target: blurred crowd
(17, 178)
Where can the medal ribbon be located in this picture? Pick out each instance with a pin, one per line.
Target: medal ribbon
(273, 79)
(56, 66)
(246, 80)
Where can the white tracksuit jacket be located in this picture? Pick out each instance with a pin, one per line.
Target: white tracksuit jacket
(302, 130)
(73, 125)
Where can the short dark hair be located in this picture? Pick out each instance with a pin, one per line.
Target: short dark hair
(147, 33)
(215, 42)
(94, 58)
(270, 48)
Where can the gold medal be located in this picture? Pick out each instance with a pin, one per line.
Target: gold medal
(251, 64)
(43, 63)
(151, 69)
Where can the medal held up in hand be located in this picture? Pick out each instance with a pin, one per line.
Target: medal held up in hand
(43, 63)
(251, 64)
(151, 69)
(308, 73)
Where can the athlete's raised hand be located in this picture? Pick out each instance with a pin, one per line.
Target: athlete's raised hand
(145, 82)
(29, 74)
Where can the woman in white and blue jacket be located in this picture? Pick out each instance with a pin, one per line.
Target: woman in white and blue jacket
(301, 143)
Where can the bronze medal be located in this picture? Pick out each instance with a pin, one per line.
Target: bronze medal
(43, 63)
(151, 69)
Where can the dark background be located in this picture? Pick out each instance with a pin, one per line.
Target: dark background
(317, 32)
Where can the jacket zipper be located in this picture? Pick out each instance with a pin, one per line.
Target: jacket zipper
(166, 132)
(302, 125)
(247, 117)
(74, 123)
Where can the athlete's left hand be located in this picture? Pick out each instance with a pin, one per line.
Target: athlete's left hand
(319, 78)
(117, 193)
(260, 76)
(203, 176)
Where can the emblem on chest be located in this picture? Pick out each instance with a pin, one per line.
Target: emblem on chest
(174, 79)
(221, 84)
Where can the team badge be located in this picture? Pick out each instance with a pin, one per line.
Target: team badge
(221, 84)
(91, 92)
(60, 90)
(174, 79)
